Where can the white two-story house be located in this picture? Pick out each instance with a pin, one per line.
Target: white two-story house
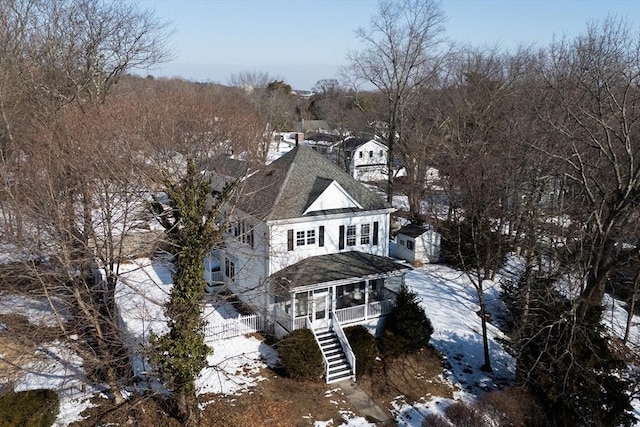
(367, 159)
(307, 247)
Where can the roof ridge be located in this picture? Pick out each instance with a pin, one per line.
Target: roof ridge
(285, 181)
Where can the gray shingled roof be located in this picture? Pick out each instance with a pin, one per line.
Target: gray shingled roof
(413, 230)
(287, 187)
(332, 267)
(352, 143)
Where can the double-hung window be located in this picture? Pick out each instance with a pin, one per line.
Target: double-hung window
(351, 235)
(365, 234)
(300, 240)
(311, 237)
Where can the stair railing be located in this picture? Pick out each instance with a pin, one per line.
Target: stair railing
(344, 342)
(309, 325)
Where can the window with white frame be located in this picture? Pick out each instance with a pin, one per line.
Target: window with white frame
(351, 235)
(410, 245)
(365, 234)
(311, 237)
(300, 240)
(307, 237)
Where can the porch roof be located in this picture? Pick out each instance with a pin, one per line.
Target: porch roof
(334, 268)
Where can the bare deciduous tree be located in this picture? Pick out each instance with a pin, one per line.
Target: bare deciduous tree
(592, 109)
(401, 43)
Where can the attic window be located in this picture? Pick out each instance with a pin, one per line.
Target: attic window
(361, 155)
(371, 154)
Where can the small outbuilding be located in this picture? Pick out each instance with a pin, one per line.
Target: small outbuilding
(418, 244)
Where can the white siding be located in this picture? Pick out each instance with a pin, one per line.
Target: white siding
(281, 257)
(369, 162)
(250, 265)
(426, 247)
(333, 197)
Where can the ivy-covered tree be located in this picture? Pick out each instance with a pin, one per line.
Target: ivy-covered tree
(407, 328)
(192, 232)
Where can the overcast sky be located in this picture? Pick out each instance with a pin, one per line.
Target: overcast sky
(303, 41)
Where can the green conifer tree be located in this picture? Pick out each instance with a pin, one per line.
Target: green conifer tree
(409, 325)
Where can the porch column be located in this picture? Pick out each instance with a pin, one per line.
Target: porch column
(332, 301)
(293, 311)
(366, 299)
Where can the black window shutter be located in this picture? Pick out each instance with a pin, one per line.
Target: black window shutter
(289, 240)
(341, 239)
(375, 233)
(321, 236)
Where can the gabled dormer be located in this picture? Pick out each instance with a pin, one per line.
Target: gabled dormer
(332, 197)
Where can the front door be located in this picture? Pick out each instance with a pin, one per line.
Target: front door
(321, 307)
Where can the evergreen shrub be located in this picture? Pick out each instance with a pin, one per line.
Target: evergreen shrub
(364, 347)
(407, 328)
(301, 356)
(32, 408)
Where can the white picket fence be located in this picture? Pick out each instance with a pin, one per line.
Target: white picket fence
(234, 327)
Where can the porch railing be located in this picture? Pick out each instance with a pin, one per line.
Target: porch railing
(217, 277)
(343, 315)
(380, 308)
(344, 343)
(364, 312)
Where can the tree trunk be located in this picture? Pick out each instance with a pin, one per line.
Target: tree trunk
(632, 307)
(187, 408)
(486, 367)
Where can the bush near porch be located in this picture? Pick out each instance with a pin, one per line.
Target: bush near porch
(407, 329)
(364, 347)
(301, 356)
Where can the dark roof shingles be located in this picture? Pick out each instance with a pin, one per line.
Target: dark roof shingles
(285, 188)
(333, 267)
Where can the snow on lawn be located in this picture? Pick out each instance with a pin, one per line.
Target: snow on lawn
(447, 295)
(54, 365)
(450, 301)
(37, 310)
(60, 369)
(234, 364)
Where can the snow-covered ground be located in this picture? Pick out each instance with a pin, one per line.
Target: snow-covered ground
(447, 296)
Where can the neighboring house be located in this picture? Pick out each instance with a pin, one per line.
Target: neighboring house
(307, 247)
(417, 244)
(367, 159)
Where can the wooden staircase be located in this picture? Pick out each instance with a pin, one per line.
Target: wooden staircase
(338, 368)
